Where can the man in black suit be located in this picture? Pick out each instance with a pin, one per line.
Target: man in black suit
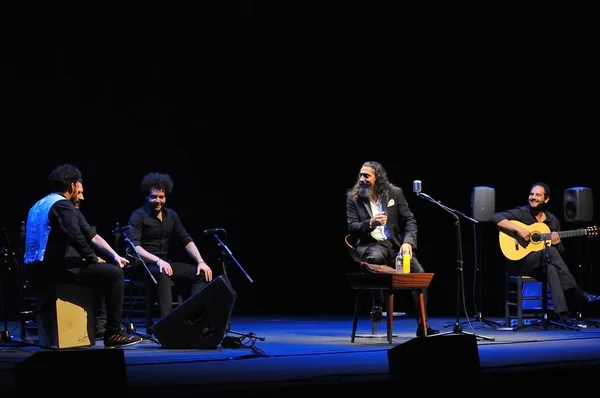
(382, 225)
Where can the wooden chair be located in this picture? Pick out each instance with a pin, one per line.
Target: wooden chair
(524, 299)
(383, 278)
(527, 298)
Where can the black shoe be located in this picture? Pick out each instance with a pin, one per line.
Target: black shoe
(566, 318)
(121, 339)
(430, 332)
(376, 314)
(100, 333)
(590, 298)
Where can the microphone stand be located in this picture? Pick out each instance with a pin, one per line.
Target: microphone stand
(459, 268)
(131, 327)
(229, 341)
(579, 316)
(545, 322)
(478, 285)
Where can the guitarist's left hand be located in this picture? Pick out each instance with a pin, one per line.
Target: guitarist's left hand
(554, 238)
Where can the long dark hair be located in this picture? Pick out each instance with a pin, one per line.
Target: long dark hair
(382, 183)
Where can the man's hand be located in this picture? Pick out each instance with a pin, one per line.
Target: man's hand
(380, 218)
(165, 267)
(523, 236)
(406, 248)
(207, 271)
(121, 261)
(554, 238)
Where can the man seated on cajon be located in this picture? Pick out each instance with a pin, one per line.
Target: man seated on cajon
(52, 229)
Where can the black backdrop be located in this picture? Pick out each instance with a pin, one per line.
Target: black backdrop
(264, 122)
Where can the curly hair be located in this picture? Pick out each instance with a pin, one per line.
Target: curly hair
(160, 181)
(381, 179)
(62, 176)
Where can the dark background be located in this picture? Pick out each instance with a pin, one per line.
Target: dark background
(263, 115)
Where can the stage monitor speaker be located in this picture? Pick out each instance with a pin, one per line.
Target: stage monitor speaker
(201, 321)
(578, 204)
(454, 356)
(483, 203)
(60, 372)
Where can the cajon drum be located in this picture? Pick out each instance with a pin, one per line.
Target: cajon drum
(66, 316)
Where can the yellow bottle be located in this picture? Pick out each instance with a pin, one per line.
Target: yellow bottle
(406, 264)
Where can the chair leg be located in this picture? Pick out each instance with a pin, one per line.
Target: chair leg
(519, 301)
(390, 315)
(422, 309)
(506, 299)
(355, 319)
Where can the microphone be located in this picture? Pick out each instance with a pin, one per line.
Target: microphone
(417, 186)
(120, 229)
(213, 231)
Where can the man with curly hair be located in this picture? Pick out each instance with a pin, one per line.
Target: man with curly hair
(59, 251)
(153, 226)
(382, 225)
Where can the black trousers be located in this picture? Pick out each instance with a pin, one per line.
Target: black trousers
(107, 282)
(184, 281)
(549, 263)
(384, 253)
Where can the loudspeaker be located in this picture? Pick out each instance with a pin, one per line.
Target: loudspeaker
(200, 321)
(456, 356)
(58, 372)
(578, 204)
(483, 203)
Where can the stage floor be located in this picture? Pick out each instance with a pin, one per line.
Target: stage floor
(316, 352)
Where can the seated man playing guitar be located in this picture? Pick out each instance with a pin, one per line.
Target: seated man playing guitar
(535, 249)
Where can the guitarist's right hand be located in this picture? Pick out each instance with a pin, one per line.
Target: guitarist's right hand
(523, 236)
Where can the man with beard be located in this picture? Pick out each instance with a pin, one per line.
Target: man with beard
(59, 252)
(563, 287)
(153, 226)
(101, 246)
(382, 225)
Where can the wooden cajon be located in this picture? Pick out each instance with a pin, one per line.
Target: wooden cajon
(65, 315)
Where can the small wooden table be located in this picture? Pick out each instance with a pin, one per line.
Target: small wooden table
(389, 283)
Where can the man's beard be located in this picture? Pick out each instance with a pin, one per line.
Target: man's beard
(364, 192)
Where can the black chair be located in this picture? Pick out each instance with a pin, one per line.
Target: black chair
(528, 300)
(140, 300)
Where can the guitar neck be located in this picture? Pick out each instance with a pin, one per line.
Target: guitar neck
(566, 234)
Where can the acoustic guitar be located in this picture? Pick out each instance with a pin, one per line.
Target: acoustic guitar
(540, 233)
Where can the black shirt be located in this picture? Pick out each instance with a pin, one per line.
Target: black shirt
(155, 235)
(67, 243)
(86, 229)
(524, 215)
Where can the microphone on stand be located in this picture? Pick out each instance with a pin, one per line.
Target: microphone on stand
(120, 229)
(416, 186)
(213, 231)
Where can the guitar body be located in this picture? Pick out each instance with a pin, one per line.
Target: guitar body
(513, 250)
